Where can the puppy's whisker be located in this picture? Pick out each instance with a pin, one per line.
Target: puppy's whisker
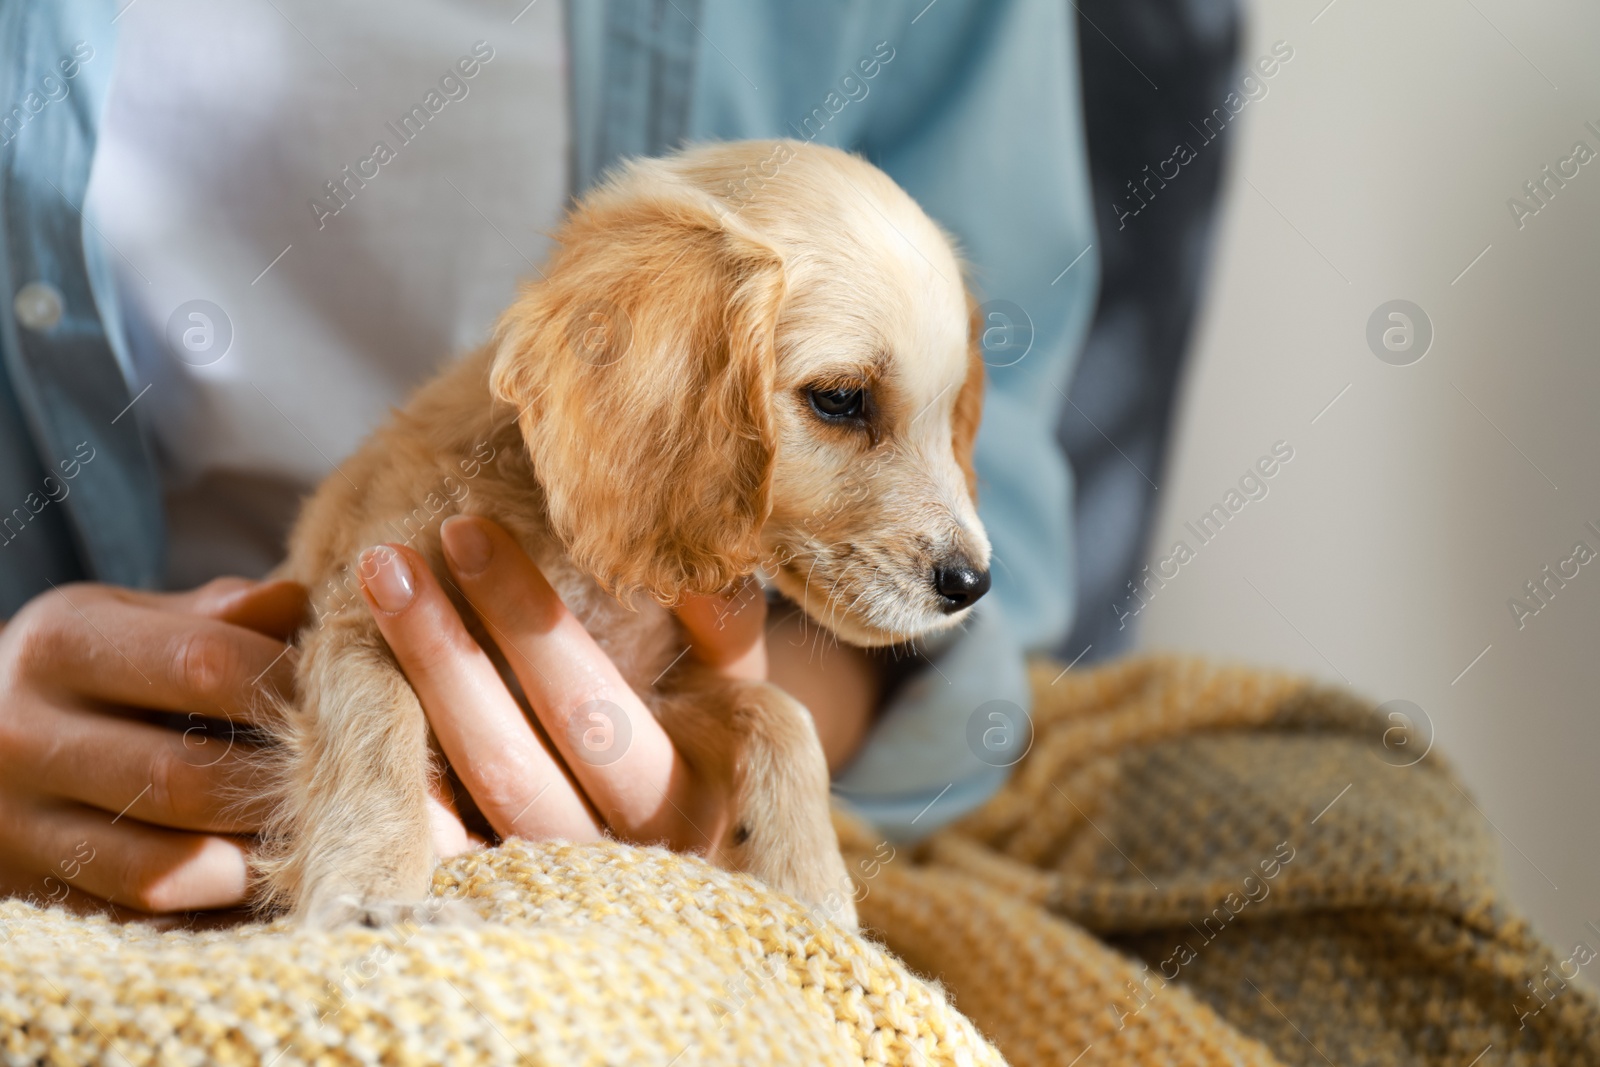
(871, 584)
(833, 601)
(815, 559)
(829, 631)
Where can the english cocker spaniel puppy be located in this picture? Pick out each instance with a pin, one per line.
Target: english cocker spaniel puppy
(752, 357)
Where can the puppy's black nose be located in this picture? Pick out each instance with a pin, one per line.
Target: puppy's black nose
(959, 584)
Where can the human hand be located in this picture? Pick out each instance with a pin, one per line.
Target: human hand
(99, 805)
(602, 763)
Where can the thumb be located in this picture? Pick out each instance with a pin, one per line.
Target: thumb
(727, 632)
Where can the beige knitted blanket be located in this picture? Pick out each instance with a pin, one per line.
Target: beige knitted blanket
(1193, 865)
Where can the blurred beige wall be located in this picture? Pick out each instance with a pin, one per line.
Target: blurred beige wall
(1420, 498)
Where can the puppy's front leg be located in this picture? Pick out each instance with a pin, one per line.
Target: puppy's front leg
(780, 829)
(350, 839)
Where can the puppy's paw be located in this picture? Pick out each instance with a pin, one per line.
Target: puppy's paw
(347, 909)
(816, 876)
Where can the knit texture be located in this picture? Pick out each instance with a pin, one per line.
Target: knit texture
(601, 954)
(1321, 893)
(1311, 892)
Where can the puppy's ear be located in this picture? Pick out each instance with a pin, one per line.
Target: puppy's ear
(642, 369)
(969, 401)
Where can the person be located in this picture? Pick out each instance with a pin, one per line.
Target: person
(234, 235)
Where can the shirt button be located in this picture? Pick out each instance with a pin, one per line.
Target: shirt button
(38, 306)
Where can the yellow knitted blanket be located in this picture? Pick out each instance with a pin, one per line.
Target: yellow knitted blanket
(1193, 865)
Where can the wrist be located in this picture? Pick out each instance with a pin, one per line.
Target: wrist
(841, 685)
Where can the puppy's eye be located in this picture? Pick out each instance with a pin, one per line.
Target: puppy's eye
(836, 404)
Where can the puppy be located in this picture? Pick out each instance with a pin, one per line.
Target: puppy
(748, 357)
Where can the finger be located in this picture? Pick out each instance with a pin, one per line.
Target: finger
(126, 862)
(201, 600)
(728, 632)
(516, 780)
(275, 609)
(124, 653)
(187, 781)
(615, 748)
(450, 835)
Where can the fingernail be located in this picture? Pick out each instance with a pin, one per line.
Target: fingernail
(225, 602)
(467, 546)
(387, 577)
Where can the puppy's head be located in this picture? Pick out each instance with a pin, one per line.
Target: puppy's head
(757, 355)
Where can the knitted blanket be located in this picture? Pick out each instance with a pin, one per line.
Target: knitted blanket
(1192, 865)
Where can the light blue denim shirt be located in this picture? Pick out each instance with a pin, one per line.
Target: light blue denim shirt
(971, 105)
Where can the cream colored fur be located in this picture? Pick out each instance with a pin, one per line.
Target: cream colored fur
(640, 424)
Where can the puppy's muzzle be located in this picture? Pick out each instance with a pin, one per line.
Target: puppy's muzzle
(958, 583)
